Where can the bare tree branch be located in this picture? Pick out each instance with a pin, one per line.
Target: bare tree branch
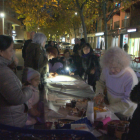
(78, 5)
(84, 4)
(112, 12)
(112, 15)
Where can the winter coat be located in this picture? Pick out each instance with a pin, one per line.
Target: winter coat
(32, 104)
(90, 62)
(134, 128)
(27, 42)
(12, 97)
(78, 63)
(118, 88)
(75, 49)
(36, 57)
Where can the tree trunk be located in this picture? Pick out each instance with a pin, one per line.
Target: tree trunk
(105, 24)
(83, 24)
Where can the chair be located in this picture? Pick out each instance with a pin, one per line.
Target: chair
(97, 52)
(137, 60)
(132, 58)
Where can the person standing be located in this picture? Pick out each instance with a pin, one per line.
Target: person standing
(27, 42)
(76, 46)
(33, 80)
(52, 44)
(91, 66)
(134, 127)
(36, 57)
(119, 79)
(13, 97)
(126, 48)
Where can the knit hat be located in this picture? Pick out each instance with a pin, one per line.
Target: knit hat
(31, 73)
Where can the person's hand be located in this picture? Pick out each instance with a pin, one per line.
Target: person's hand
(71, 73)
(51, 75)
(99, 99)
(92, 71)
(55, 74)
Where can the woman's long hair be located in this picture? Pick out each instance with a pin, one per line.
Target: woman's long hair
(87, 45)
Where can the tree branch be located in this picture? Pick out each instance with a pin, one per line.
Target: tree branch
(84, 4)
(112, 12)
(112, 15)
(78, 5)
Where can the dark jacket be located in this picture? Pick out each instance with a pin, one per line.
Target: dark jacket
(27, 42)
(78, 63)
(55, 60)
(36, 57)
(12, 97)
(89, 62)
(75, 49)
(69, 60)
(134, 128)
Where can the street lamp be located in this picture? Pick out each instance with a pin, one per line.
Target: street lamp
(76, 13)
(2, 15)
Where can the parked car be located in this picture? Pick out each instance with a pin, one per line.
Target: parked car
(65, 45)
(18, 44)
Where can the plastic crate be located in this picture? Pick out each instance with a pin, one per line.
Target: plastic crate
(81, 121)
(16, 133)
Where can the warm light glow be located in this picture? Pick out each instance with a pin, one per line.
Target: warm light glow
(61, 78)
(67, 68)
(13, 32)
(131, 30)
(75, 13)
(99, 34)
(2, 15)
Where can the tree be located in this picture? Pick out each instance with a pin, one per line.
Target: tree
(35, 13)
(42, 15)
(84, 9)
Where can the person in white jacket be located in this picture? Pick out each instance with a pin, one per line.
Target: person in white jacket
(119, 79)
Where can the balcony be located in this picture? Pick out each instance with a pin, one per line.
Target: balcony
(125, 23)
(135, 21)
(116, 24)
(109, 27)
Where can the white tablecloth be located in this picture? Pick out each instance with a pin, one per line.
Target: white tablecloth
(61, 90)
(69, 85)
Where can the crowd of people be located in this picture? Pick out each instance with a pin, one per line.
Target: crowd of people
(19, 101)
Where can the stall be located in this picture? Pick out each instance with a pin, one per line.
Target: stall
(65, 100)
(59, 94)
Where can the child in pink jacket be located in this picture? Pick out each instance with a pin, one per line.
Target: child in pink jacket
(33, 80)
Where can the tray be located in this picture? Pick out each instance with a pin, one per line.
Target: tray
(16, 133)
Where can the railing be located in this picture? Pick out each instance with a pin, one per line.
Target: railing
(125, 22)
(116, 24)
(109, 26)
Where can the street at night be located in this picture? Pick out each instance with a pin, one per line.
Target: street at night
(69, 70)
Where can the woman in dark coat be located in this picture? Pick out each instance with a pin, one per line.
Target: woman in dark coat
(77, 58)
(134, 128)
(90, 64)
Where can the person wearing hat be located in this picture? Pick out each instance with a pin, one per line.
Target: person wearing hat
(32, 80)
